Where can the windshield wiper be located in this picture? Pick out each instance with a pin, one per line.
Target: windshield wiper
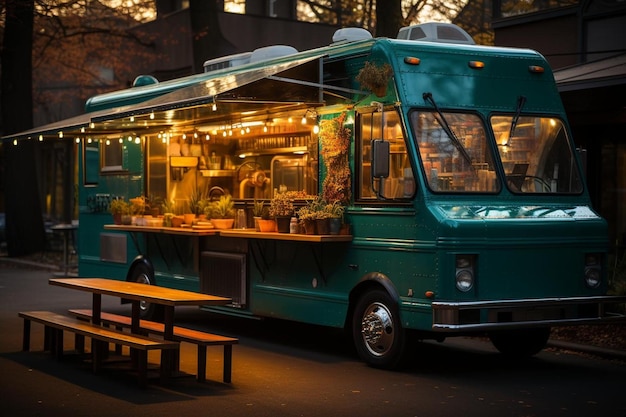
(428, 97)
(521, 100)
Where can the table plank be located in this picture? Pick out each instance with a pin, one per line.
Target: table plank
(138, 291)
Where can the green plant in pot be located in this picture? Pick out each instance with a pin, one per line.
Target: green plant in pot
(259, 212)
(375, 77)
(222, 212)
(281, 209)
(120, 209)
(335, 211)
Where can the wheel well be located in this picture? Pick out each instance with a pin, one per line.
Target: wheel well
(369, 282)
(140, 261)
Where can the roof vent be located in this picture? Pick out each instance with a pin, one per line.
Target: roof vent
(436, 32)
(274, 51)
(142, 80)
(228, 61)
(351, 35)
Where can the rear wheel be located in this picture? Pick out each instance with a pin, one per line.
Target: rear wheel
(376, 330)
(520, 343)
(142, 274)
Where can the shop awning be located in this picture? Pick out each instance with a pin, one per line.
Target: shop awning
(226, 87)
(601, 73)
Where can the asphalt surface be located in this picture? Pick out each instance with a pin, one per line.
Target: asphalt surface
(287, 369)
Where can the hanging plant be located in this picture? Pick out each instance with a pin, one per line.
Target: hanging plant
(335, 142)
(375, 78)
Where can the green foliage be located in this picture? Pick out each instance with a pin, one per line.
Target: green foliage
(224, 208)
(373, 76)
(119, 206)
(281, 205)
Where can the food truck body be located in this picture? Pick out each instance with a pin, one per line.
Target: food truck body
(466, 204)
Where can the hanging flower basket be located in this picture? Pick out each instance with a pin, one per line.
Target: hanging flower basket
(375, 77)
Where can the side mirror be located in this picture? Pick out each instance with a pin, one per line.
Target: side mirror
(380, 158)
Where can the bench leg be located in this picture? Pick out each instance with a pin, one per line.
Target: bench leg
(228, 362)
(26, 336)
(79, 343)
(201, 363)
(57, 343)
(48, 339)
(142, 368)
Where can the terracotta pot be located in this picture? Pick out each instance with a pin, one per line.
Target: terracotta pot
(223, 223)
(177, 221)
(189, 218)
(117, 218)
(267, 225)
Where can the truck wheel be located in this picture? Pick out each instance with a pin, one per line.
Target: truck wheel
(142, 274)
(376, 330)
(520, 343)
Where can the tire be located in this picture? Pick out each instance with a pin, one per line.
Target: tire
(377, 333)
(142, 273)
(520, 343)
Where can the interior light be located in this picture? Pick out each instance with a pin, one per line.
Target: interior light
(77, 140)
(92, 125)
(316, 129)
(82, 129)
(132, 119)
(108, 142)
(40, 138)
(208, 137)
(14, 142)
(60, 135)
(152, 116)
(303, 121)
(137, 140)
(265, 128)
(122, 140)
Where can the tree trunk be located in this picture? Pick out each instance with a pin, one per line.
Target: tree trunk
(388, 18)
(24, 224)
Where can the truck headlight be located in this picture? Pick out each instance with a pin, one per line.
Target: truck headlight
(465, 272)
(593, 270)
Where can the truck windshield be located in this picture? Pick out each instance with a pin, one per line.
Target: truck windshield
(457, 162)
(537, 157)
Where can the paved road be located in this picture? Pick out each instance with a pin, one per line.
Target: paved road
(287, 369)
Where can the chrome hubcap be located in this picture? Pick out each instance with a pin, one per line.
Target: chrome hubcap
(377, 329)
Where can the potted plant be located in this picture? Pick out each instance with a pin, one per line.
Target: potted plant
(259, 211)
(375, 77)
(309, 214)
(119, 208)
(281, 209)
(335, 211)
(222, 212)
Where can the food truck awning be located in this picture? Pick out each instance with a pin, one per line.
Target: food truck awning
(207, 90)
(224, 87)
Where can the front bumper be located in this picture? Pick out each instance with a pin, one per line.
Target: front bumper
(509, 314)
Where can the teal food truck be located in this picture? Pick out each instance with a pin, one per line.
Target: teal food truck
(462, 198)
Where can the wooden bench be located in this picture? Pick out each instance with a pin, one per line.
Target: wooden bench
(181, 334)
(55, 324)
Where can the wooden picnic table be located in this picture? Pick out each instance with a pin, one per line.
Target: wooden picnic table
(137, 292)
